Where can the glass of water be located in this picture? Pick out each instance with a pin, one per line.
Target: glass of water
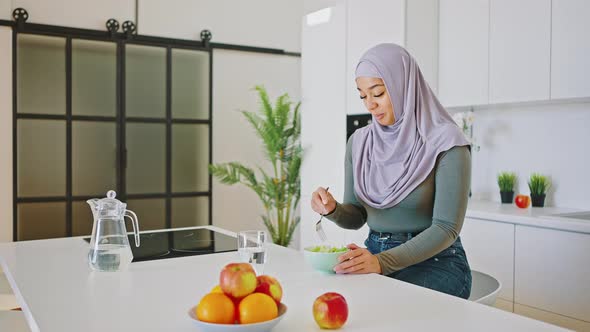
(252, 249)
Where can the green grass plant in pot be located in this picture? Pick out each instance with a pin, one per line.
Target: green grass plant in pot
(538, 185)
(279, 128)
(506, 182)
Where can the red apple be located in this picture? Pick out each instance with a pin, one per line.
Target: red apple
(522, 201)
(237, 280)
(330, 310)
(270, 286)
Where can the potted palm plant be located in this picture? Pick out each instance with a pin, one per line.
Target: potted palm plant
(279, 128)
(506, 182)
(538, 185)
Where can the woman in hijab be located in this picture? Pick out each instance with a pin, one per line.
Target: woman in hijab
(407, 175)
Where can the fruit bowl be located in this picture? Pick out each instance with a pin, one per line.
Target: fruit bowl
(323, 258)
(255, 327)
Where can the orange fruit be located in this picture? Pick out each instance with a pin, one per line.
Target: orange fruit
(216, 289)
(216, 308)
(257, 307)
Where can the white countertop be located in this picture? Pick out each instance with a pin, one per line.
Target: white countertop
(531, 216)
(58, 292)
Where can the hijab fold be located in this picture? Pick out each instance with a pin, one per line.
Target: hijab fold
(389, 162)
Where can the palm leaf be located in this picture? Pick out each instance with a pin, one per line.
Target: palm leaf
(278, 127)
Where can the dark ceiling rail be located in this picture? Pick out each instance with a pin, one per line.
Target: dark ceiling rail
(106, 35)
(254, 49)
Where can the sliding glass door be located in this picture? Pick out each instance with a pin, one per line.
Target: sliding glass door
(94, 114)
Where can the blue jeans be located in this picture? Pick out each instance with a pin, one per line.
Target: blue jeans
(447, 272)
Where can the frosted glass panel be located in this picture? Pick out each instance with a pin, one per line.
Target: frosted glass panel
(190, 157)
(190, 211)
(41, 221)
(151, 213)
(94, 157)
(190, 84)
(41, 157)
(145, 81)
(41, 74)
(82, 219)
(94, 78)
(146, 158)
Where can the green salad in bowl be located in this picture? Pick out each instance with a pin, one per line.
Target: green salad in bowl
(324, 248)
(323, 257)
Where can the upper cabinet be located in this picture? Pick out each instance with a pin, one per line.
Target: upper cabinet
(463, 53)
(520, 46)
(422, 37)
(77, 14)
(570, 49)
(506, 51)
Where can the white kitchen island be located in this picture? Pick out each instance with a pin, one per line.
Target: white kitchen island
(58, 292)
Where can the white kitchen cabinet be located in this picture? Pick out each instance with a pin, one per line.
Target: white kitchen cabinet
(552, 318)
(463, 52)
(489, 246)
(552, 270)
(520, 42)
(422, 37)
(570, 49)
(323, 100)
(78, 14)
(369, 22)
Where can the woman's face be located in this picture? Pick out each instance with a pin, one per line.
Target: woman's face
(376, 99)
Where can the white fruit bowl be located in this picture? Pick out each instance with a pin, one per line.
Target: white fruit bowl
(254, 327)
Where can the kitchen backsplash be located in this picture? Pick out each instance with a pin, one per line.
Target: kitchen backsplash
(548, 139)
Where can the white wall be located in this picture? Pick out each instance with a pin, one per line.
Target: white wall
(550, 139)
(88, 14)
(235, 74)
(5, 134)
(5, 10)
(264, 23)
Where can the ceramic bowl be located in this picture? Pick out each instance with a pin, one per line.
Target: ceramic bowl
(254, 327)
(322, 261)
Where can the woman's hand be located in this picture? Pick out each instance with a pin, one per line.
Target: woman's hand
(322, 201)
(358, 260)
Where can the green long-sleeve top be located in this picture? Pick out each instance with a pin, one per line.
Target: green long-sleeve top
(436, 208)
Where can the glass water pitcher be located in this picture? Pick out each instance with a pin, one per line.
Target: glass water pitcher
(109, 245)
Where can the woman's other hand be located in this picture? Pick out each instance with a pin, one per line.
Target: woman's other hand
(358, 260)
(322, 201)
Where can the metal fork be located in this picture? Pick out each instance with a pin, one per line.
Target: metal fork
(318, 227)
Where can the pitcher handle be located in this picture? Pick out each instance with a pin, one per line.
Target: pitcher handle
(135, 222)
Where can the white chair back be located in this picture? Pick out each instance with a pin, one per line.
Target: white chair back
(484, 288)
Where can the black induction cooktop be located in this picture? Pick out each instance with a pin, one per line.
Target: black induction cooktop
(179, 243)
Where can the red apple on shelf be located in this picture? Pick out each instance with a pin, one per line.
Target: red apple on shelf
(522, 201)
(237, 280)
(270, 286)
(330, 310)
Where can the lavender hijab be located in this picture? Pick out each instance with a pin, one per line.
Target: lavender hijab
(389, 162)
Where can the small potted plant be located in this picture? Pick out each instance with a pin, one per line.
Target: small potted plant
(538, 185)
(506, 182)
